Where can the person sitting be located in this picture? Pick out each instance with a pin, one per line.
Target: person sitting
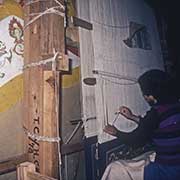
(160, 125)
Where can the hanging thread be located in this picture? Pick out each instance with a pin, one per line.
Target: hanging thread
(116, 76)
(111, 26)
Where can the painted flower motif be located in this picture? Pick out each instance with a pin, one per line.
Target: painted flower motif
(19, 49)
(16, 32)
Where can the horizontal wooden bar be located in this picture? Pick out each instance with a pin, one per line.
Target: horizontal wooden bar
(26, 171)
(23, 169)
(63, 62)
(71, 148)
(37, 176)
(82, 23)
(9, 165)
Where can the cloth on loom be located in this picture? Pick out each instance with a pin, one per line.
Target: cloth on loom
(128, 169)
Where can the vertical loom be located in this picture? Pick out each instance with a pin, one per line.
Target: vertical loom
(109, 55)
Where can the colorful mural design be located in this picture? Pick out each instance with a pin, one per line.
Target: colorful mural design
(11, 54)
(11, 48)
(16, 32)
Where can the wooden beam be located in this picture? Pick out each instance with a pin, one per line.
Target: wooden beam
(42, 86)
(9, 165)
(49, 129)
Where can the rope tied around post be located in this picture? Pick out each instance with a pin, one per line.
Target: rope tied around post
(43, 62)
(41, 138)
(51, 10)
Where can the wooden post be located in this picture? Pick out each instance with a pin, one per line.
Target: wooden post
(26, 171)
(42, 85)
(23, 169)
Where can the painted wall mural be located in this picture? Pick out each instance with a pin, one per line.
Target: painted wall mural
(11, 48)
(11, 54)
(11, 81)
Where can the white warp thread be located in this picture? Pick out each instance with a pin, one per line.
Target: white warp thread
(111, 26)
(103, 74)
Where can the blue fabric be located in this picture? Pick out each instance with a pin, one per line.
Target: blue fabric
(155, 171)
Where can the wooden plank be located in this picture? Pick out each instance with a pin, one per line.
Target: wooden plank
(53, 40)
(9, 165)
(23, 169)
(49, 125)
(37, 176)
(82, 23)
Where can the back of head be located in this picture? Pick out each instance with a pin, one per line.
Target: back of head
(160, 85)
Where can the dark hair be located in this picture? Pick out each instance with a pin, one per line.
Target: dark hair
(160, 85)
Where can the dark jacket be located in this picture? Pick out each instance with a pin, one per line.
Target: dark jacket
(160, 125)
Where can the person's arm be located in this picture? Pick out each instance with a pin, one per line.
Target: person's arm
(126, 112)
(141, 134)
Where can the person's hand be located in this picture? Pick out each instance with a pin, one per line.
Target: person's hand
(110, 130)
(126, 112)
